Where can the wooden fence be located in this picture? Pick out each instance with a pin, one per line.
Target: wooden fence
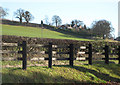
(50, 53)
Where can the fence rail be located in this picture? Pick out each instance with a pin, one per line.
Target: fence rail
(50, 53)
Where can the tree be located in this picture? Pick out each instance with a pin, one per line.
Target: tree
(56, 20)
(85, 27)
(102, 28)
(72, 23)
(19, 14)
(28, 16)
(3, 12)
(76, 22)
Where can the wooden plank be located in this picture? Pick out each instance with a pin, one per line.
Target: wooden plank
(7, 51)
(41, 52)
(44, 52)
(9, 44)
(97, 58)
(62, 52)
(37, 45)
(78, 58)
(81, 47)
(37, 59)
(11, 58)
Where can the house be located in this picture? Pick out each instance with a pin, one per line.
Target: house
(68, 26)
(62, 27)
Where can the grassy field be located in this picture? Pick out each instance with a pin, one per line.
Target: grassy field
(38, 72)
(80, 73)
(36, 32)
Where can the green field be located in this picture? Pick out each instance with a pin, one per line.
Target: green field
(36, 32)
(80, 73)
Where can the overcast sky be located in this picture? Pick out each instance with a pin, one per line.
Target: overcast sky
(68, 10)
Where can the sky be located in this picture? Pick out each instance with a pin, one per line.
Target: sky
(68, 10)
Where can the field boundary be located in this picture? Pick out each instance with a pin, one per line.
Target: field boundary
(50, 53)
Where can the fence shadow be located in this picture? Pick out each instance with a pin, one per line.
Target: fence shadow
(112, 65)
(35, 77)
(100, 75)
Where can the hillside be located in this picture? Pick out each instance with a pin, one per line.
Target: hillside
(36, 32)
(80, 73)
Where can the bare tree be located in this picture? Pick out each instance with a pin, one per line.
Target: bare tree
(28, 16)
(19, 14)
(56, 20)
(76, 22)
(3, 12)
(46, 20)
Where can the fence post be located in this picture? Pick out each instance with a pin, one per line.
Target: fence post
(106, 54)
(24, 54)
(71, 55)
(90, 54)
(50, 55)
(119, 54)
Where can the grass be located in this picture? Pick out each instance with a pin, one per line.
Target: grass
(61, 71)
(80, 73)
(36, 32)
